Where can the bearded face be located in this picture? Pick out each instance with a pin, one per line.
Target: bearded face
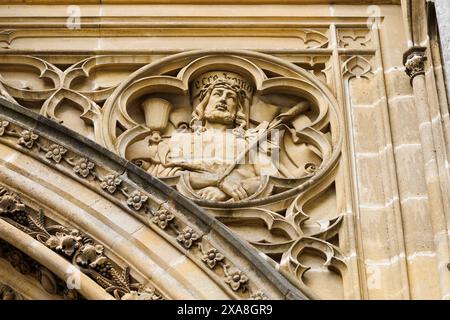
(222, 106)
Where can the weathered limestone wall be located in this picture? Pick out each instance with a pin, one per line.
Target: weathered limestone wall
(376, 201)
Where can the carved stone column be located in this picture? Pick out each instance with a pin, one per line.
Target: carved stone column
(414, 60)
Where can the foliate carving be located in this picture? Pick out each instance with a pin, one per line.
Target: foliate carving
(29, 267)
(110, 183)
(259, 296)
(212, 257)
(136, 199)
(83, 167)
(162, 217)
(10, 203)
(119, 284)
(27, 138)
(67, 243)
(56, 152)
(142, 293)
(415, 64)
(3, 126)
(7, 293)
(91, 255)
(236, 280)
(187, 237)
(87, 255)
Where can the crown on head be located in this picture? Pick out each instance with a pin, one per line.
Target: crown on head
(233, 80)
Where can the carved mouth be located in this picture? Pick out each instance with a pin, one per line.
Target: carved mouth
(222, 107)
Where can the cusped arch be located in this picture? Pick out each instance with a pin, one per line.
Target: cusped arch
(193, 62)
(293, 79)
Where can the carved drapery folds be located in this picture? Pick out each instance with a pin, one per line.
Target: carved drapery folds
(178, 119)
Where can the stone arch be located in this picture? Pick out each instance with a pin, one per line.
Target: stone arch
(140, 222)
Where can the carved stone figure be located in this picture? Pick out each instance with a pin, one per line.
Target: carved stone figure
(218, 156)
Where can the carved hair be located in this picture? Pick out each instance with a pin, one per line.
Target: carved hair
(205, 94)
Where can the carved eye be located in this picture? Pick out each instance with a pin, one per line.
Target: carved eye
(231, 95)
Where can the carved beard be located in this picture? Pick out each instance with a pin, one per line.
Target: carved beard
(218, 116)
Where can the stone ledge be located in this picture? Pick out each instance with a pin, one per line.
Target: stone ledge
(71, 2)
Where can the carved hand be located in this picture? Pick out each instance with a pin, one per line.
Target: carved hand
(212, 194)
(233, 188)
